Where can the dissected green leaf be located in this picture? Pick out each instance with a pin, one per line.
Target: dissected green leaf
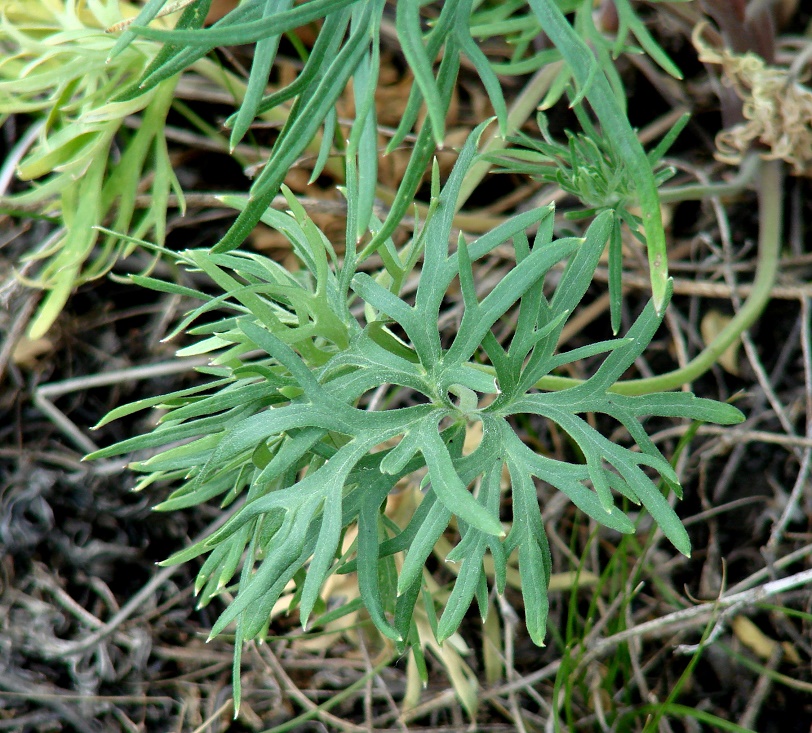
(286, 421)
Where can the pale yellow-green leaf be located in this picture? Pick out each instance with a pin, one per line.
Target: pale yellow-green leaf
(713, 323)
(758, 642)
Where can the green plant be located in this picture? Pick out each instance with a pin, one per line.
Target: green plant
(84, 167)
(55, 62)
(288, 428)
(287, 434)
(60, 60)
(334, 61)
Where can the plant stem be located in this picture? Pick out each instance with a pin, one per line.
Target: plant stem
(698, 191)
(770, 215)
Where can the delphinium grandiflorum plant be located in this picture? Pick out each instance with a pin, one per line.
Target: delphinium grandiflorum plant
(285, 434)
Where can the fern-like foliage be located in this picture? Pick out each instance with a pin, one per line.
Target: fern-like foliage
(288, 428)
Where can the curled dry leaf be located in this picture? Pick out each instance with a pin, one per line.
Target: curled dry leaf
(777, 108)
